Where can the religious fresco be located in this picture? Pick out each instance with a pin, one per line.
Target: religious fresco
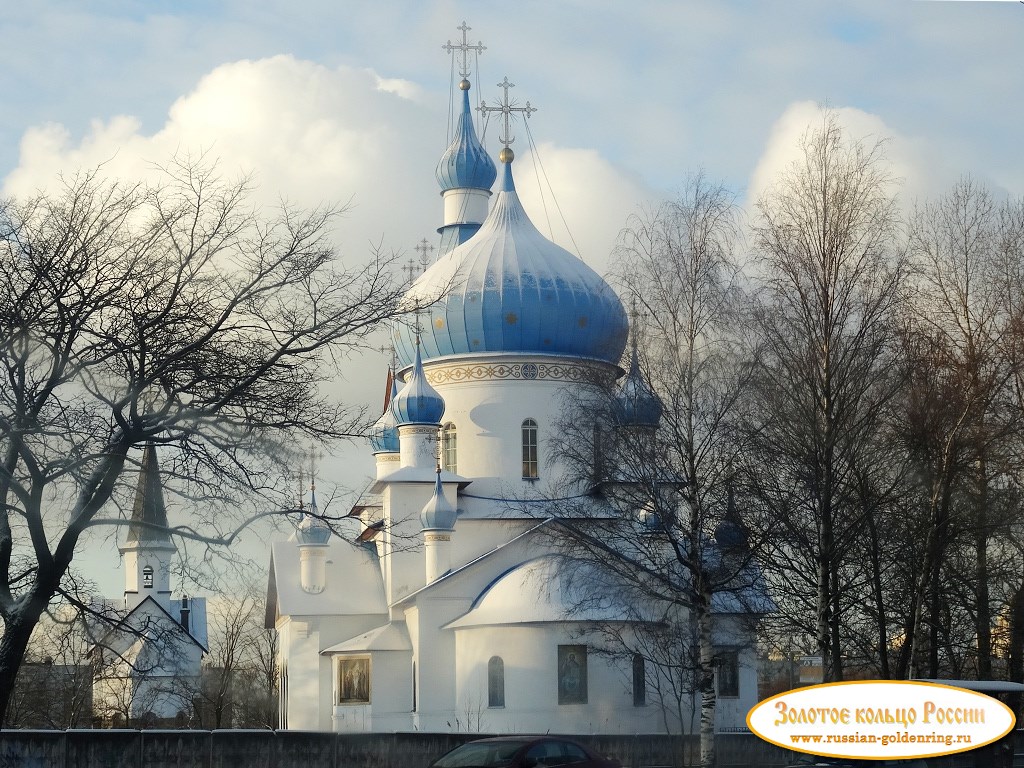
(572, 674)
(354, 681)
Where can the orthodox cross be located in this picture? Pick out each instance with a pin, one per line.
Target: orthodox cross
(463, 48)
(417, 327)
(635, 316)
(506, 108)
(411, 269)
(389, 350)
(424, 249)
(313, 456)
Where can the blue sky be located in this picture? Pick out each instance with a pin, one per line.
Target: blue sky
(347, 102)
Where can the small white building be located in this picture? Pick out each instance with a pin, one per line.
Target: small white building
(451, 610)
(147, 665)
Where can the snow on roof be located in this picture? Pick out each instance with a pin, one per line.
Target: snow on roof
(543, 590)
(354, 583)
(393, 636)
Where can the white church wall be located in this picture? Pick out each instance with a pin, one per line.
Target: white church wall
(489, 415)
(310, 674)
(300, 644)
(436, 685)
(531, 696)
(137, 586)
(151, 670)
(389, 692)
(402, 558)
(475, 537)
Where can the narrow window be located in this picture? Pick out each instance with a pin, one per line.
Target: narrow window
(530, 467)
(414, 686)
(449, 446)
(147, 577)
(572, 674)
(283, 691)
(495, 682)
(728, 668)
(639, 681)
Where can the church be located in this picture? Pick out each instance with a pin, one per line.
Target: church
(451, 609)
(146, 662)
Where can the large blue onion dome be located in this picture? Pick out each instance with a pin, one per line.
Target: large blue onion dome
(384, 432)
(466, 163)
(313, 530)
(438, 514)
(510, 289)
(636, 404)
(417, 402)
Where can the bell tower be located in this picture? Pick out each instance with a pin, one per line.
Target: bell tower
(148, 549)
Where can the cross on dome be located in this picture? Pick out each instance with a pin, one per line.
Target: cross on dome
(424, 249)
(507, 107)
(463, 50)
(635, 316)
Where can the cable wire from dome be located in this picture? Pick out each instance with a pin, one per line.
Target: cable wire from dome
(554, 198)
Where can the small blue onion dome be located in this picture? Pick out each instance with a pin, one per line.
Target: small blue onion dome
(384, 433)
(466, 163)
(313, 530)
(418, 402)
(636, 404)
(731, 535)
(438, 514)
(510, 289)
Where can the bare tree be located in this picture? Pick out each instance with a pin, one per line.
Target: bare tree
(961, 320)
(54, 684)
(174, 314)
(830, 251)
(665, 449)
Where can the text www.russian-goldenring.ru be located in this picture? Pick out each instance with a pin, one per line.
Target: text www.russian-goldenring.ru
(948, 739)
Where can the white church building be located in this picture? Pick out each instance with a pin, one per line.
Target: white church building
(146, 663)
(451, 610)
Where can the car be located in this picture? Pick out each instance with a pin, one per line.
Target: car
(523, 752)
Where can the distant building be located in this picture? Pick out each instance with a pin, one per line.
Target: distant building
(450, 609)
(147, 666)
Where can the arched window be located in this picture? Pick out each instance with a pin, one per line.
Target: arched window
(449, 446)
(147, 577)
(530, 465)
(639, 681)
(495, 682)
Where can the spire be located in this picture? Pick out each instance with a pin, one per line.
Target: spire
(148, 526)
(418, 402)
(730, 533)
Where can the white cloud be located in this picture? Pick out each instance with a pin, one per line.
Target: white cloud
(918, 168)
(581, 200)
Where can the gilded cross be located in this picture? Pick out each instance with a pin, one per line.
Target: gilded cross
(463, 49)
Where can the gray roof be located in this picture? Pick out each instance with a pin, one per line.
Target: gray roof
(149, 514)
